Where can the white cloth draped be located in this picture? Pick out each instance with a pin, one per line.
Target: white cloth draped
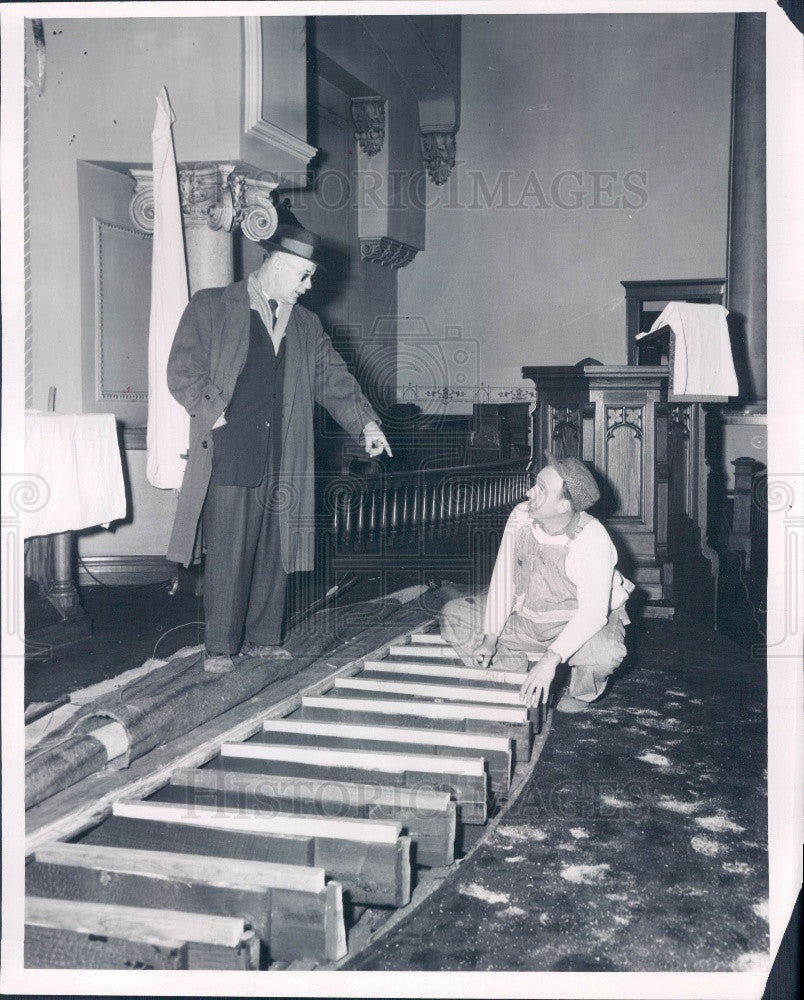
(168, 422)
(702, 363)
(75, 472)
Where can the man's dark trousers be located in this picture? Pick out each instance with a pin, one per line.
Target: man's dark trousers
(245, 581)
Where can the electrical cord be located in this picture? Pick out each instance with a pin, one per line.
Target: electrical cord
(174, 629)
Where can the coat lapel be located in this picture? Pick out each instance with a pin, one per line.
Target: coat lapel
(293, 358)
(235, 336)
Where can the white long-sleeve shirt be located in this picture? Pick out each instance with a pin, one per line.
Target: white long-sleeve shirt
(590, 565)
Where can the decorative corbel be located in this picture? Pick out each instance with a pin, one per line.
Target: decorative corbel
(386, 251)
(368, 115)
(438, 153)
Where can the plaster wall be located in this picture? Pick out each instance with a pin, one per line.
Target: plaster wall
(103, 76)
(98, 104)
(593, 149)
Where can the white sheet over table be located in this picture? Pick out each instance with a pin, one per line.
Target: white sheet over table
(76, 458)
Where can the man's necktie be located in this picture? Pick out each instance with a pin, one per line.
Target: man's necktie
(272, 306)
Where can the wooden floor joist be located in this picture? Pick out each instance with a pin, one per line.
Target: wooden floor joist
(502, 721)
(427, 639)
(504, 678)
(495, 750)
(428, 817)
(292, 910)
(374, 869)
(65, 933)
(431, 692)
(426, 651)
(387, 761)
(463, 777)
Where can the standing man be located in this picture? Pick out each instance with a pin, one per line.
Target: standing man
(555, 594)
(248, 363)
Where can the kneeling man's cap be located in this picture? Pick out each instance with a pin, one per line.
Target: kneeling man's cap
(579, 481)
(295, 240)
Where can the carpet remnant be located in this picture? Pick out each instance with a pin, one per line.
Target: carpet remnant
(650, 889)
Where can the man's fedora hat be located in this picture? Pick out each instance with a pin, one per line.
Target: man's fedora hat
(295, 240)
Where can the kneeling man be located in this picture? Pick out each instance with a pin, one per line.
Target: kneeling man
(555, 594)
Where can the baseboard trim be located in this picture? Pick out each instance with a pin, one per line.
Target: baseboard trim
(118, 571)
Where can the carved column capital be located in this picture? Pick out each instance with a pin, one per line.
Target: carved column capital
(215, 195)
(438, 153)
(368, 115)
(387, 252)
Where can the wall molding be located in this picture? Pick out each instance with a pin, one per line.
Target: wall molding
(482, 393)
(100, 229)
(255, 125)
(118, 571)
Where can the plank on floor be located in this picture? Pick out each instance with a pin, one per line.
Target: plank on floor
(257, 892)
(508, 678)
(468, 786)
(208, 941)
(495, 750)
(447, 692)
(425, 651)
(428, 817)
(501, 721)
(427, 639)
(383, 867)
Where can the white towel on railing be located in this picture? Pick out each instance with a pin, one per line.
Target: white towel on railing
(703, 364)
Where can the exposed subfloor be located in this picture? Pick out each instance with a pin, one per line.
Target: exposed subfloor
(638, 844)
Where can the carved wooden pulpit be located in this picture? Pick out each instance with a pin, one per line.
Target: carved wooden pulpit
(648, 459)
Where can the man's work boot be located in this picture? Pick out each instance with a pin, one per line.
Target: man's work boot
(262, 651)
(569, 705)
(217, 663)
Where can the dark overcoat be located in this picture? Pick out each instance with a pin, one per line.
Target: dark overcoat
(207, 356)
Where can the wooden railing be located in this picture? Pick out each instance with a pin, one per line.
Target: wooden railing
(434, 502)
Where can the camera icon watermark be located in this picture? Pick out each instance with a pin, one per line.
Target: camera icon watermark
(22, 493)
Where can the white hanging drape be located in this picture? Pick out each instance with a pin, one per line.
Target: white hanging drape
(168, 422)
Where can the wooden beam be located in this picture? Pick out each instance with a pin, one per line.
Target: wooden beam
(372, 872)
(359, 830)
(365, 760)
(427, 639)
(495, 750)
(428, 817)
(424, 651)
(404, 667)
(211, 941)
(226, 873)
(425, 709)
(449, 692)
(85, 804)
(256, 892)
(504, 722)
(467, 784)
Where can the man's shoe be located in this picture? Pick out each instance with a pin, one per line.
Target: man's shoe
(218, 663)
(570, 705)
(261, 651)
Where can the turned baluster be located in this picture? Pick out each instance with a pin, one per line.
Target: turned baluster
(361, 517)
(394, 512)
(372, 520)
